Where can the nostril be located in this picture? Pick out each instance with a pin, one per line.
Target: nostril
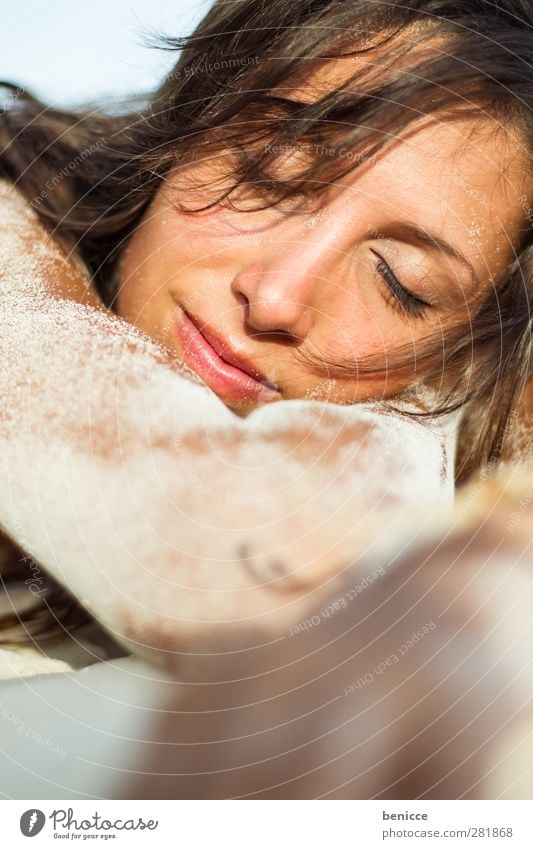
(244, 283)
(242, 299)
(272, 323)
(270, 305)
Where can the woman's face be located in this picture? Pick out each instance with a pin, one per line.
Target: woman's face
(400, 248)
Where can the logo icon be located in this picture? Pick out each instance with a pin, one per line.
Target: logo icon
(32, 822)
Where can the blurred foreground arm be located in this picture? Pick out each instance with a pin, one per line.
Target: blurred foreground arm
(411, 680)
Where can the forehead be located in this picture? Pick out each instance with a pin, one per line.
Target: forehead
(466, 174)
(463, 176)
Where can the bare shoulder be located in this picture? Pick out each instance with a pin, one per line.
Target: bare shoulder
(32, 262)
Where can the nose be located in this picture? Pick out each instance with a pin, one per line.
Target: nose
(286, 288)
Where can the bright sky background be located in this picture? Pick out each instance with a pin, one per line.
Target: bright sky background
(67, 51)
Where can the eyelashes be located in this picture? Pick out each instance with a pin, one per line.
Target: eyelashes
(399, 296)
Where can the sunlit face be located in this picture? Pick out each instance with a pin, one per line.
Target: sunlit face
(403, 246)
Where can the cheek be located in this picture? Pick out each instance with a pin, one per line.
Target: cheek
(358, 322)
(195, 257)
(355, 334)
(156, 253)
(135, 288)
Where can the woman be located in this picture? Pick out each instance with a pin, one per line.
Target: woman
(323, 202)
(419, 112)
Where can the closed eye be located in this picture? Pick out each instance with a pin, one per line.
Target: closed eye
(402, 298)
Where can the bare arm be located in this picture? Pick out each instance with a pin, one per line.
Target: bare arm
(416, 687)
(177, 524)
(31, 260)
(156, 506)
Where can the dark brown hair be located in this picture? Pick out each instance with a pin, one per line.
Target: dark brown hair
(92, 173)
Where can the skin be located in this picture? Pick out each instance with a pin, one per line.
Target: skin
(276, 285)
(278, 713)
(349, 708)
(271, 497)
(317, 316)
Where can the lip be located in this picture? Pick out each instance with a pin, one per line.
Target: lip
(227, 372)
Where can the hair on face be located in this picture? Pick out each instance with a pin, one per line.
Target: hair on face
(91, 173)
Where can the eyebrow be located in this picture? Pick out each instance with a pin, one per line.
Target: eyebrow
(407, 231)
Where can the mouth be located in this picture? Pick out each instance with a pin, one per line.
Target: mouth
(230, 374)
